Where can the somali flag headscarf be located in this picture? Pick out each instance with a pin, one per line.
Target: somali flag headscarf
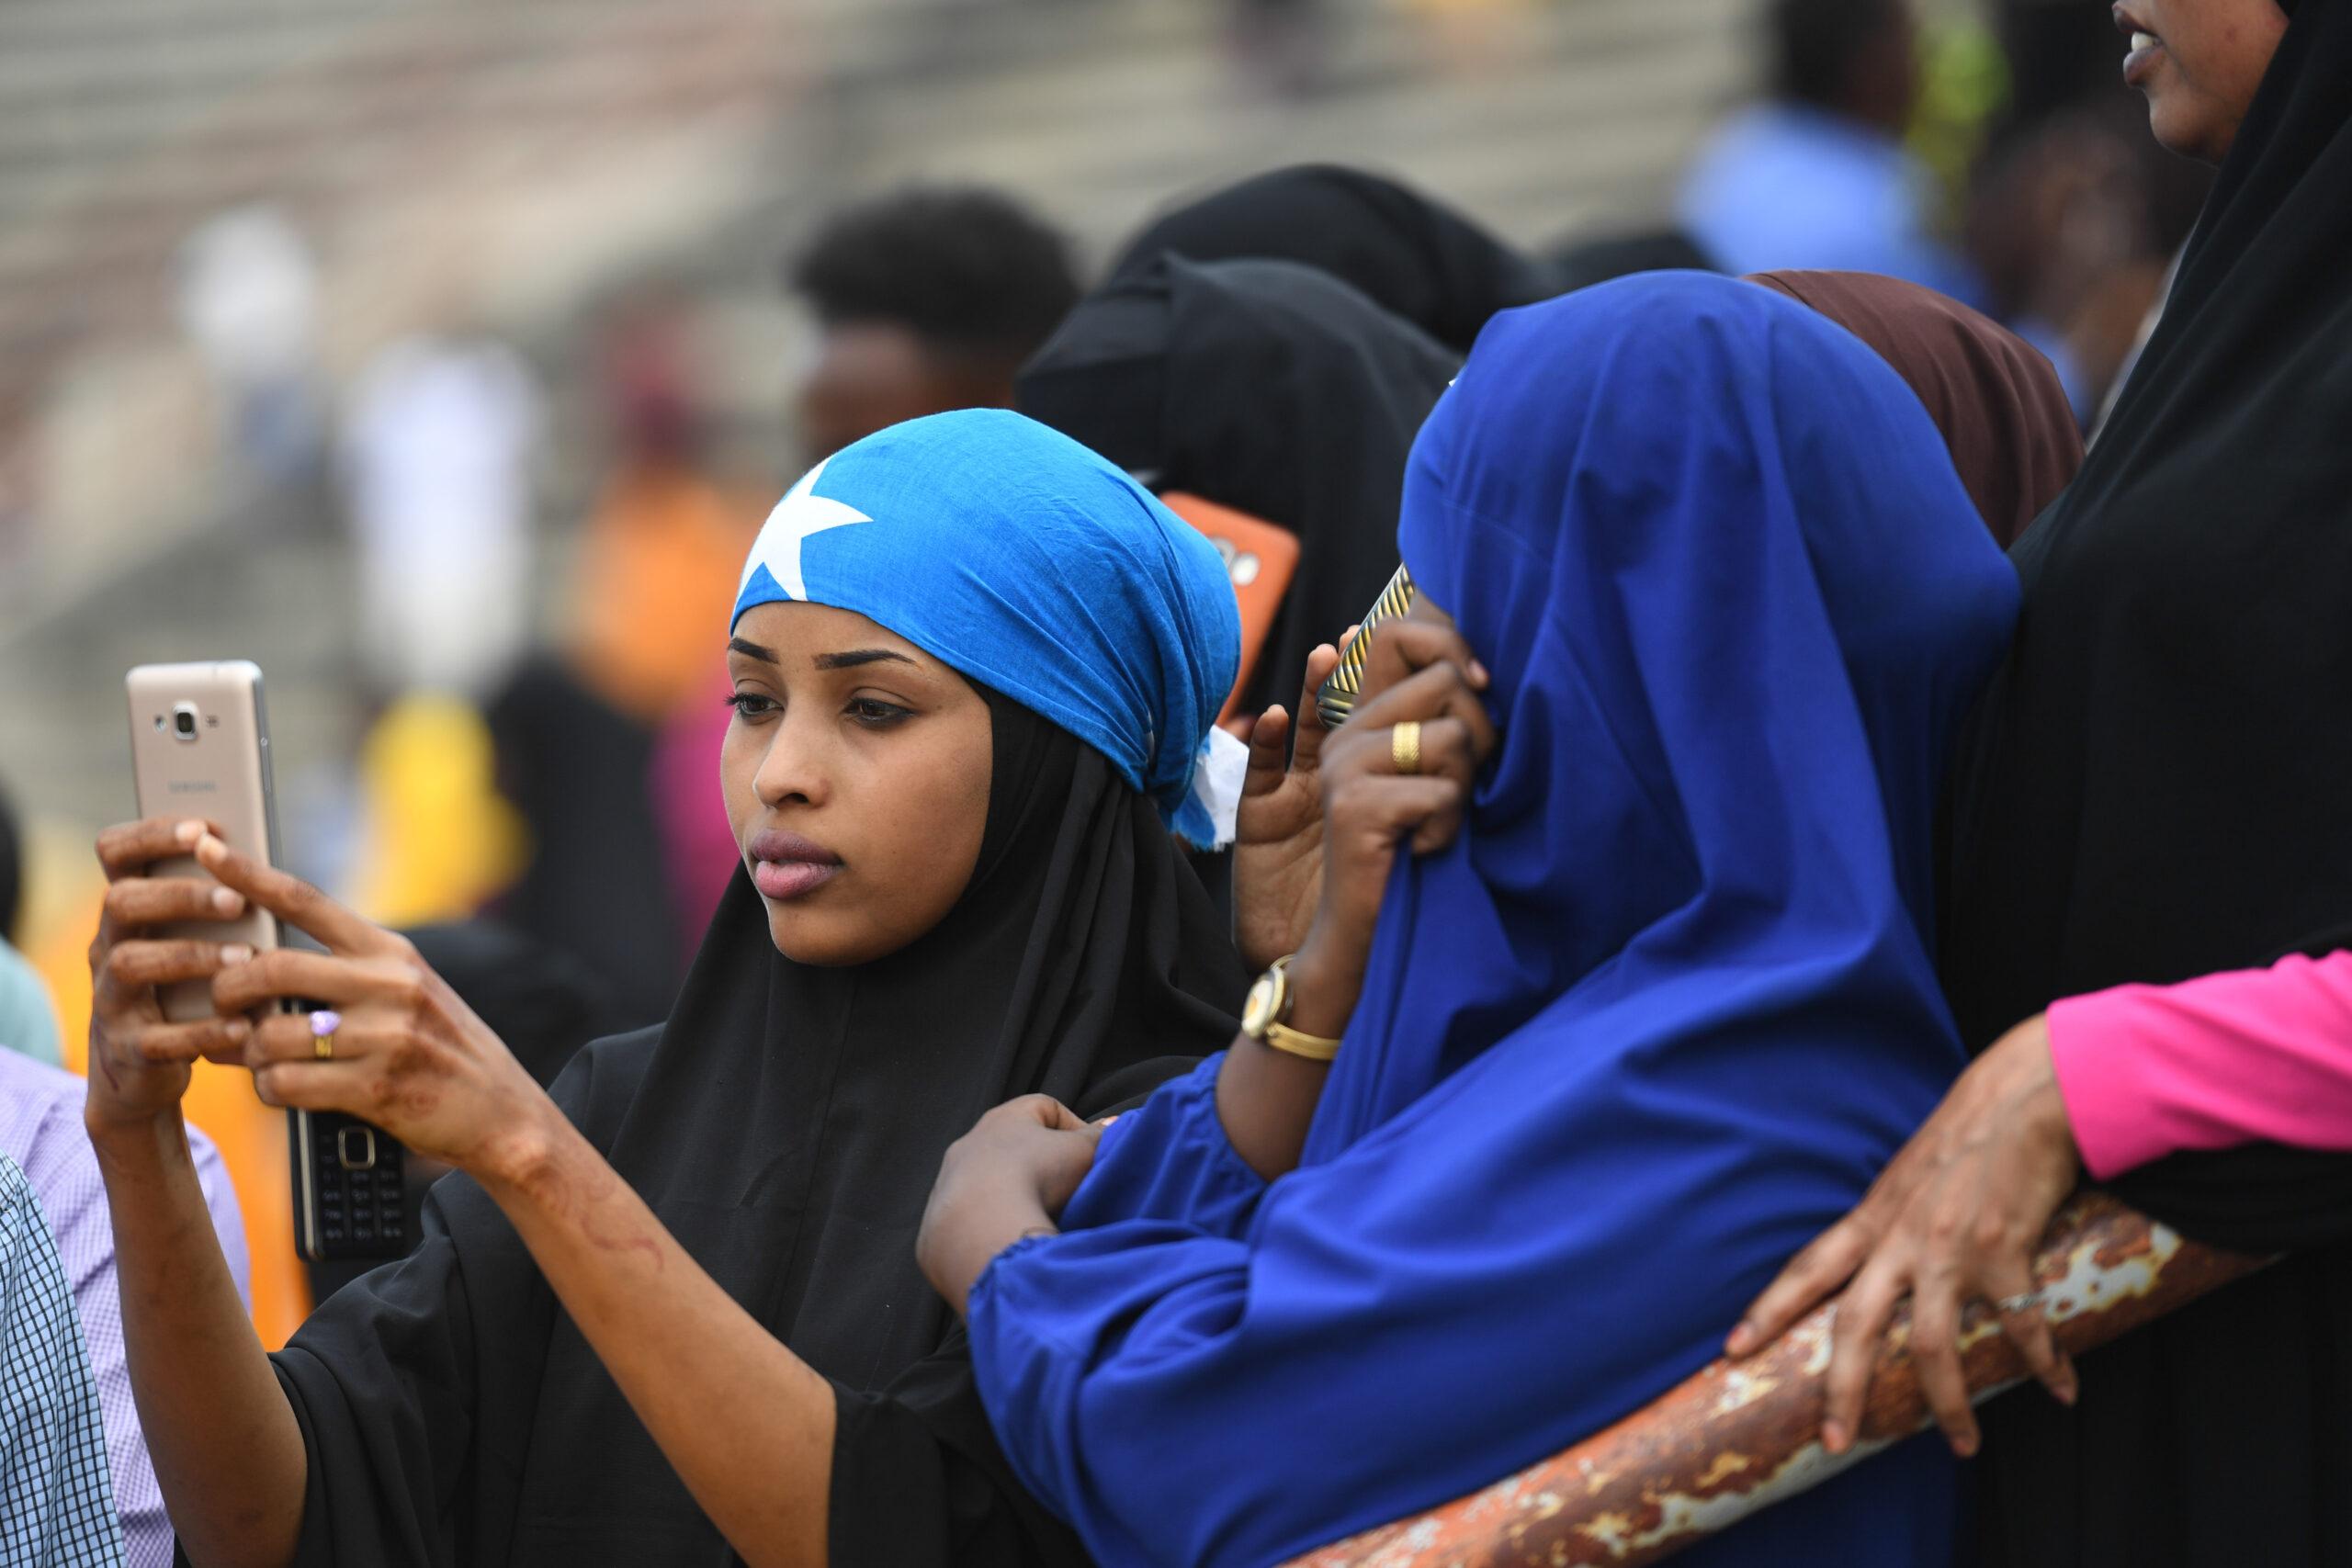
(1655, 1019)
(1016, 555)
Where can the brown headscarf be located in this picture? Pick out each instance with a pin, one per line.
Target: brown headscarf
(1996, 400)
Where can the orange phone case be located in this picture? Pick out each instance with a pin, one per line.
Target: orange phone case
(1260, 559)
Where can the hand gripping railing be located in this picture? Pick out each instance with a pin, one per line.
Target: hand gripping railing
(1735, 1437)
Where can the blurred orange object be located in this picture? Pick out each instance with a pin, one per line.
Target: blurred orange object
(658, 568)
(1260, 559)
(251, 1135)
(252, 1140)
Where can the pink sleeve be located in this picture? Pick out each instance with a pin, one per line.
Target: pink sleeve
(2237, 1058)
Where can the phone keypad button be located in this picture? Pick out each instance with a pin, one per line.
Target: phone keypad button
(357, 1216)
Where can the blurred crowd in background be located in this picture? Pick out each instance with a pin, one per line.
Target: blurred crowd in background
(444, 359)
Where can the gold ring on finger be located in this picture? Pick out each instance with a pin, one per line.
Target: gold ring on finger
(323, 1024)
(1405, 746)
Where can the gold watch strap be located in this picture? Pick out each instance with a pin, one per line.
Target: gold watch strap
(1298, 1042)
(1270, 1003)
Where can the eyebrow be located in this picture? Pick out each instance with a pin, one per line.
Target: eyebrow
(751, 650)
(857, 655)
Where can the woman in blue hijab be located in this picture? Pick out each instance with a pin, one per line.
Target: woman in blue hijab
(1656, 1014)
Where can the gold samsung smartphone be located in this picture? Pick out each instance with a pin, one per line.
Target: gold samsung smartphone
(200, 746)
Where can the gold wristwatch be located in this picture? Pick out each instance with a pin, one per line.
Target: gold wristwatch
(1263, 1016)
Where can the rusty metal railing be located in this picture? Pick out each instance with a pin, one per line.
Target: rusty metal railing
(1737, 1436)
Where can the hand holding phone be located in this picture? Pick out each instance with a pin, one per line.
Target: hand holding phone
(139, 1059)
(401, 1051)
(200, 746)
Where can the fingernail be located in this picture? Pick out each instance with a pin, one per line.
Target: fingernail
(209, 848)
(235, 952)
(1832, 1437)
(1477, 673)
(188, 833)
(237, 1030)
(228, 900)
(1965, 1446)
(1741, 1339)
(2067, 1389)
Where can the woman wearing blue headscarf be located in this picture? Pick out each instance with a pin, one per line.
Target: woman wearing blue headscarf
(670, 1312)
(1661, 1008)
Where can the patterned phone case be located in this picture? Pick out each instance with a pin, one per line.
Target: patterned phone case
(1336, 698)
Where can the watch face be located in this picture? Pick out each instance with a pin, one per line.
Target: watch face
(1259, 1010)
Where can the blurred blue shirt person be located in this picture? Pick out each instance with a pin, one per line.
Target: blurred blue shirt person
(1819, 177)
(28, 1023)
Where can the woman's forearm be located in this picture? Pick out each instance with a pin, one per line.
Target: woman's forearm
(1265, 1100)
(1265, 1097)
(748, 1425)
(227, 1451)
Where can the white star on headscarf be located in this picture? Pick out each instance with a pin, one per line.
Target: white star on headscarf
(801, 513)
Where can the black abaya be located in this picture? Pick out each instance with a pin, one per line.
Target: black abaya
(1413, 257)
(575, 767)
(1266, 387)
(785, 1126)
(2158, 784)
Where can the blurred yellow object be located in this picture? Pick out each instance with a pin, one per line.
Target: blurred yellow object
(68, 895)
(1963, 81)
(436, 838)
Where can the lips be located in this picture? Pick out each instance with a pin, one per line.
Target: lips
(785, 865)
(2145, 46)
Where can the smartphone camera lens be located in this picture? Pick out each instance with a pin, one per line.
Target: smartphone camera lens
(183, 721)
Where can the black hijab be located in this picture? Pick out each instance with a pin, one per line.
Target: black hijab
(2158, 784)
(575, 767)
(785, 1126)
(1409, 255)
(1266, 387)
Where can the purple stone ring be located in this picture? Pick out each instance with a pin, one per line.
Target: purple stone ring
(323, 1024)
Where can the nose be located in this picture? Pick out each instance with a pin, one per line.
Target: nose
(792, 771)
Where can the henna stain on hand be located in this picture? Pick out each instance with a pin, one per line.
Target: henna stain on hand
(556, 1195)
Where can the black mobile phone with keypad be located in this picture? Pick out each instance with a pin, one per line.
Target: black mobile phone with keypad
(350, 1188)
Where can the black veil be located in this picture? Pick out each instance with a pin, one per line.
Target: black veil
(1413, 257)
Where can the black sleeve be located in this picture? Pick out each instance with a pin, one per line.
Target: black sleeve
(2257, 1199)
(400, 1398)
(919, 1481)
(1127, 1089)
(416, 1386)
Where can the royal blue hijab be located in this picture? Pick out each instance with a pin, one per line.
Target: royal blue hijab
(1655, 1019)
